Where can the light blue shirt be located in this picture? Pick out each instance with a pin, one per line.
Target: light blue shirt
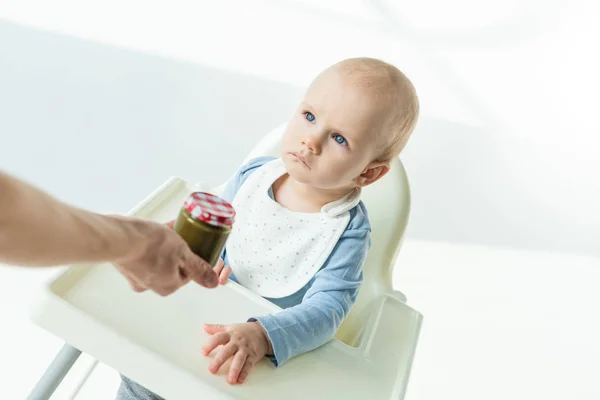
(312, 315)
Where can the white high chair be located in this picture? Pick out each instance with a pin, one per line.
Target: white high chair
(156, 341)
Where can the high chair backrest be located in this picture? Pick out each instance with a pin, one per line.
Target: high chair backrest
(388, 205)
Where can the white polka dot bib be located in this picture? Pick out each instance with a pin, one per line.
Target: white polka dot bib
(274, 251)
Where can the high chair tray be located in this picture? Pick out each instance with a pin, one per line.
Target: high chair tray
(157, 341)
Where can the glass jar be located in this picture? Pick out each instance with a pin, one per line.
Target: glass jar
(204, 222)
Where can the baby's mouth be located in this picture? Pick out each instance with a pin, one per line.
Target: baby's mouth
(300, 158)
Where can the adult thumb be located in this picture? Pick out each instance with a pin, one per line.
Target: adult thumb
(201, 272)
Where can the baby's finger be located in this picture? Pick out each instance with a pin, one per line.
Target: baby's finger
(214, 328)
(224, 275)
(236, 367)
(215, 341)
(245, 371)
(224, 354)
(219, 267)
(170, 224)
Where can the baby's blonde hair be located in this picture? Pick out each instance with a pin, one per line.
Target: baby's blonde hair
(386, 80)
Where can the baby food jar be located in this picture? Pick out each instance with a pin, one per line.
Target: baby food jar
(204, 222)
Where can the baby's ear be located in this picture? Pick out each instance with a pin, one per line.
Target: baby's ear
(374, 172)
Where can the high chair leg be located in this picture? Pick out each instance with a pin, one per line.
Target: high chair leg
(55, 373)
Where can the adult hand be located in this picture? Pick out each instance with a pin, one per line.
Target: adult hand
(162, 261)
(38, 230)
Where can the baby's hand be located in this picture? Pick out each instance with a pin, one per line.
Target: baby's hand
(247, 343)
(223, 271)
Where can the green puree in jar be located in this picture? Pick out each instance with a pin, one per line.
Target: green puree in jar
(204, 222)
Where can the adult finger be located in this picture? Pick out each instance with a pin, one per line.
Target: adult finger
(236, 366)
(134, 283)
(200, 271)
(165, 290)
(224, 354)
(136, 288)
(220, 339)
(166, 287)
(245, 371)
(183, 274)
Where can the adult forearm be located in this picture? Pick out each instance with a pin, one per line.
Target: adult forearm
(36, 229)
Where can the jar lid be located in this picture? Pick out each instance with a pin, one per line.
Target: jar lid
(209, 208)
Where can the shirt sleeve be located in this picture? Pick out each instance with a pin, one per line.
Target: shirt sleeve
(332, 294)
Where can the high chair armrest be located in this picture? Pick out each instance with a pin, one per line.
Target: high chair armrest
(391, 338)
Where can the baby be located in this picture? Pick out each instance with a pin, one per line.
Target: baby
(301, 233)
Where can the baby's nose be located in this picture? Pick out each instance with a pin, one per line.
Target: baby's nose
(313, 142)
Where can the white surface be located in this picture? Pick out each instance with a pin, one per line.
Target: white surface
(157, 341)
(505, 155)
(508, 90)
(489, 338)
(502, 324)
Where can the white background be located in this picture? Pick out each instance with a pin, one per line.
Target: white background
(100, 102)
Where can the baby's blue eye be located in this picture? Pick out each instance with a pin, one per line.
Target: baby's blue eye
(340, 139)
(309, 116)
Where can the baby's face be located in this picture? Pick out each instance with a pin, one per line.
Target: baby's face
(332, 137)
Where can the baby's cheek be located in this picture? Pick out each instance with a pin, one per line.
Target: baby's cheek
(337, 173)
